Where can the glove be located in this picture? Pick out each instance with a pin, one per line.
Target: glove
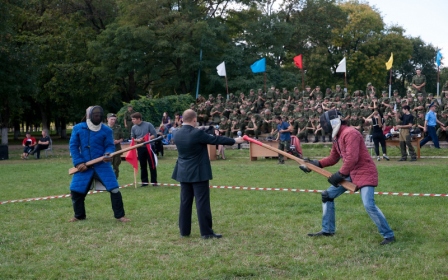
(336, 178)
(305, 169)
(81, 167)
(107, 157)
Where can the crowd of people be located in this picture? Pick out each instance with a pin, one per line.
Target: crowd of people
(254, 113)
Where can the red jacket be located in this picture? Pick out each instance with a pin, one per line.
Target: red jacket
(349, 145)
(31, 139)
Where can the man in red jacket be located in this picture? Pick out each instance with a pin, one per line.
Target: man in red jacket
(357, 167)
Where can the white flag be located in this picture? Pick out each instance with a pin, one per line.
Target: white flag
(221, 68)
(341, 66)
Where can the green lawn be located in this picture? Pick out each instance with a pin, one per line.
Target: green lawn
(264, 231)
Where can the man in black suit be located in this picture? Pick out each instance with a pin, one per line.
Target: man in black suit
(193, 171)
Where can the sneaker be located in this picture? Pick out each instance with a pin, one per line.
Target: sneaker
(388, 240)
(281, 162)
(386, 157)
(124, 220)
(378, 158)
(402, 159)
(414, 159)
(320, 233)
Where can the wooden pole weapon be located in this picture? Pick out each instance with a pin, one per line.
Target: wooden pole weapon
(346, 184)
(74, 170)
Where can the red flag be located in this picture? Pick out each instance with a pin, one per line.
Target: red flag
(298, 61)
(151, 155)
(131, 157)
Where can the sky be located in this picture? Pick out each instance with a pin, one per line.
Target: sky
(427, 19)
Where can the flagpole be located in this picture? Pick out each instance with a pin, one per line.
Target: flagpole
(227, 87)
(438, 82)
(135, 178)
(345, 77)
(390, 83)
(265, 81)
(303, 80)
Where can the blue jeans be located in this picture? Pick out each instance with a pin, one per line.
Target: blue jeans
(431, 134)
(367, 193)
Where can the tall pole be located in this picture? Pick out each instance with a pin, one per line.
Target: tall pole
(303, 81)
(390, 83)
(265, 81)
(345, 78)
(199, 74)
(438, 84)
(227, 87)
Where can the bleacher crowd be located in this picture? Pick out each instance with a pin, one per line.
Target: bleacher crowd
(253, 113)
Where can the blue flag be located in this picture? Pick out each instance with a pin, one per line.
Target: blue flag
(259, 66)
(438, 58)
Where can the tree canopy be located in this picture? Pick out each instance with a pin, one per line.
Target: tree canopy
(59, 57)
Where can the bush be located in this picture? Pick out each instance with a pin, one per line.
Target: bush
(152, 109)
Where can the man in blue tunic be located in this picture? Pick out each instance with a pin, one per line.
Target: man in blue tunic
(91, 140)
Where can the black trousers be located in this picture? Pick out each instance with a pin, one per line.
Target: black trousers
(145, 159)
(38, 148)
(378, 138)
(200, 191)
(80, 210)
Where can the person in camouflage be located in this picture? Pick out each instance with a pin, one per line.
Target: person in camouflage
(128, 120)
(118, 138)
(418, 82)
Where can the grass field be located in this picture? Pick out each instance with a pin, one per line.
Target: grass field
(264, 231)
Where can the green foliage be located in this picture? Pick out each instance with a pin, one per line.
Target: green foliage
(152, 109)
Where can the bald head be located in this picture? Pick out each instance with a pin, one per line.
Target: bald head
(188, 116)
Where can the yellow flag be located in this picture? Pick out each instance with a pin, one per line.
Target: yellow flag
(391, 60)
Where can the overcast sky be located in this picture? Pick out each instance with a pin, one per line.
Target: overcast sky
(427, 19)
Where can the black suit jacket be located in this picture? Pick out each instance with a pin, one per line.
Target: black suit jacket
(193, 163)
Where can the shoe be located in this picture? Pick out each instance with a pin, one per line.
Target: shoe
(402, 159)
(184, 236)
(321, 233)
(413, 159)
(281, 162)
(144, 185)
(210, 236)
(378, 158)
(74, 220)
(155, 184)
(388, 240)
(386, 157)
(124, 220)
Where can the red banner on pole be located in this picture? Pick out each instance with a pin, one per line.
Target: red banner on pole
(298, 61)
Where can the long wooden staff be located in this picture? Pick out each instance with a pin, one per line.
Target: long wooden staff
(73, 170)
(346, 184)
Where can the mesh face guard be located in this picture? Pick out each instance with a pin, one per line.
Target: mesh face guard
(330, 122)
(95, 114)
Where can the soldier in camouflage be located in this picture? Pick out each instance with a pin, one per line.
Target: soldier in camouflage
(118, 138)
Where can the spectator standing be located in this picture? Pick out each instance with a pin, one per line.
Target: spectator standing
(418, 82)
(145, 154)
(377, 134)
(118, 138)
(430, 126)
(407, 121)
(128, 120)
(283, 136)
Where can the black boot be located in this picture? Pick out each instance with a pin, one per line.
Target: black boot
(323, 138)
(316, 139)
(306, 139)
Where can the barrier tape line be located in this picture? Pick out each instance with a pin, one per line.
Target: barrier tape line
(232, 188)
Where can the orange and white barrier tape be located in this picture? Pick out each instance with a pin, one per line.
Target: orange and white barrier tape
(234, 188)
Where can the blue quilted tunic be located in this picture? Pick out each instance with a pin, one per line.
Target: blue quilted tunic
(86, 145)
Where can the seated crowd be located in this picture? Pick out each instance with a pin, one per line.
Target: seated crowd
(254, 114)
